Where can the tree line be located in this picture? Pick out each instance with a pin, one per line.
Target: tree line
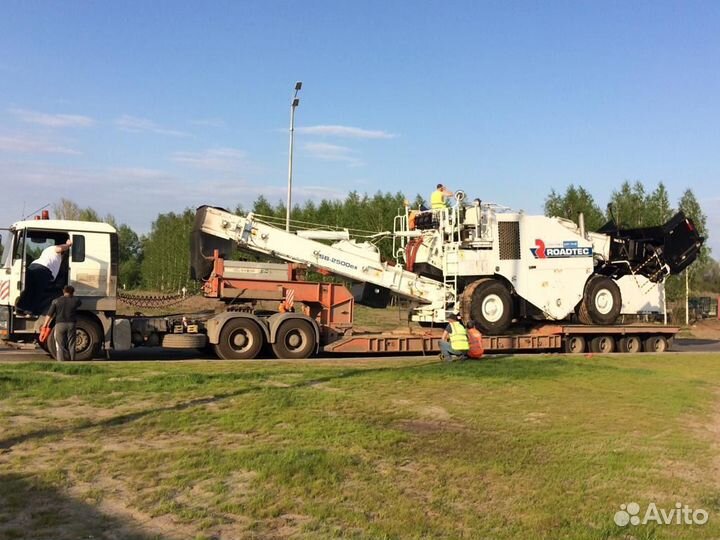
(632, 206)
(159, 260)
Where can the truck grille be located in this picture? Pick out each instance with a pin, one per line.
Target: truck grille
(509, 240)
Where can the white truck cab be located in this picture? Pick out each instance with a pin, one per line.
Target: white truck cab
(91, 267)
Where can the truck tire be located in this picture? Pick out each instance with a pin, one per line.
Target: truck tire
(630, 344)
(491, 307)
(295, 339)
(184, 341)
(602, 344)
(655, 344)
(601, 301)
(575, 344)
(240, 339)
(87, 339)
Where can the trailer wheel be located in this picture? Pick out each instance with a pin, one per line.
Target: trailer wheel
(240, 339)
(630, 344)
(295, 339)
(601, 301)
(491, 307)
(87, 339)
(184, 341)
(602, 344)
(655, 344)
(575, 344)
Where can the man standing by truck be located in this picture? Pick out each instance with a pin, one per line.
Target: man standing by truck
(64, 309)
(40, 274)
(454, 342)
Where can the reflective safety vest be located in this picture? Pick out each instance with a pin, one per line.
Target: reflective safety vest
(459, 337)
(437, 200)
(476, 343)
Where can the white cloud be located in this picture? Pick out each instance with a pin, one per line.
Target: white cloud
(32, 145)
(333, 152)
(214, 159)
(136, 195)
(52, 120)
(209, 122)
(135, 124)
(345, 131)
(138, 173)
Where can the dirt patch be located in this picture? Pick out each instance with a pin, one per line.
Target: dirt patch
(434, 412)
(706, 329)
(535, 417)
(430, 426)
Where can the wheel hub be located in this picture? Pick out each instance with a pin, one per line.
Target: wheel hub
(82, 340)
(294, 340)
(240, 340)
(492, 308)
(575, 344)
(604, 301)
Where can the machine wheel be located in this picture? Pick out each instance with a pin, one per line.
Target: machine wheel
(655, 344)
(295, 339)
(491, 307)
(575, 344)
(240, 339)
(87, 339)
(184, 341)
(601, 301)
(602, 344)
(630, 344)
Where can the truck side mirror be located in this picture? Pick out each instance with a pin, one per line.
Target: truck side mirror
(78, 248)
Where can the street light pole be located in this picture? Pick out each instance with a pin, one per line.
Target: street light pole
(293, 105)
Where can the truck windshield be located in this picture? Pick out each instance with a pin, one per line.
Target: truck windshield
(6, 247)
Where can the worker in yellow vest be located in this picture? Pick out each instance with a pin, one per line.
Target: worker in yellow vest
(454, 343)
(438, 199)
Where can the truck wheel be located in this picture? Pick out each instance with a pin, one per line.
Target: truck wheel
(630, 344)
(184, 341)
(655, 344)
(602, 344)
(601, 301)
(295, 339)
(87, 339)
(491, 307)
(240, 339)
(575, 344)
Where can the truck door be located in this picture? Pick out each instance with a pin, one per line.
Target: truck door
(12, 275)
(90, 264)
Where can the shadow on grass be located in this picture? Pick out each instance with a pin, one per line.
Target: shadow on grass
(31, 508)
(498, 367)
(123, 419)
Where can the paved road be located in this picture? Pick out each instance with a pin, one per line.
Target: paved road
(7, 354)
(696, 345)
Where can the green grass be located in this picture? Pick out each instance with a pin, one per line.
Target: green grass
(511, 447)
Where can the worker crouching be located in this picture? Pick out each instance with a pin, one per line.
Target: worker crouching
(475, 340)
(454, 343)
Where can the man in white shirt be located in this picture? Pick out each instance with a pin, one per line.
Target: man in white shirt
(40, 274)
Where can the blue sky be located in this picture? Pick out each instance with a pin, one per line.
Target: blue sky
(137, 108)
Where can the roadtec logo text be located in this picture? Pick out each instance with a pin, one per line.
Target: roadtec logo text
(337, 261)
(569, 249)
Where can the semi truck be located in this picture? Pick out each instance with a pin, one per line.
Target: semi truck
(530, 282)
